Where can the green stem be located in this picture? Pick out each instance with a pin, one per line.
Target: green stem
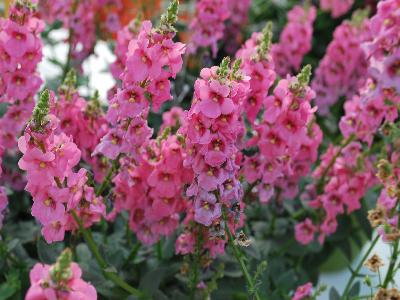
(239, 257)
(390, 272)
(107, 178)
(87, 235)
(196, 261)
(132, 255)
(321, 182)
(357, 270)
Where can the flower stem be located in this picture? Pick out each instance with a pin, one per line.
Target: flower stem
(239, 257)
(321, 182)
(357, 270)
(391, 270)
(107, 178)
(87, 235)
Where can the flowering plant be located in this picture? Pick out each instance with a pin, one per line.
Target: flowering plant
(218, 164)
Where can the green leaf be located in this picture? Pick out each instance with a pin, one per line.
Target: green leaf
(48, 253)
(7, 290)
(333, 294)
(355, 290)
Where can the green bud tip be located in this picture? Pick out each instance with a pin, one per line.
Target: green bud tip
(304, 76)
(266, 40)
(26, 3)
(61, 270)
(41, 109)
(223, 69)
(359, 16)
(70, 79)
(169, 18)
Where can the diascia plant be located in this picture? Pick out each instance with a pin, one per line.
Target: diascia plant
(218, 166)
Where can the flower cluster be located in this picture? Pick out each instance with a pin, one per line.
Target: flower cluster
(151, 191)
(49, 156)
(83, 120)
(153, 58)
(295, 40)
(59, 281)
(383, 51)
(377, 101)
(339, 186)
(287, 139)
(211, 132)
(78, 17)
(336, 7)
(258, 64)
(208, 24)
(20, 52)
(238, 12)
(343, 69)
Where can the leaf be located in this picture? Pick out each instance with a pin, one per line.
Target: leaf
(355, 290)
(7, 290)
(83, 253)
(333, 294)
(11, 286)
(48, 253)
(152, 279)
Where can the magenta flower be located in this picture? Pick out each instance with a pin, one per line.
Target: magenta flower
(305, 231)
(303, 291)
(206, 208)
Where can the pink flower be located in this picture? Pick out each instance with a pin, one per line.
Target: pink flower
(185, 243)
(16, 38)
(142, 61)
(215, 99)
(163, 182)
(303, 291)
(44, 288)
(206, 208)
(337, 7)
(304, 232)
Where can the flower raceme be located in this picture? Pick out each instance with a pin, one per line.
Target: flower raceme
(84, 121)
(342, 71)
(295, 40)
(20, 52)
(151, 190)
(211, 130)
(346, 183)
(49, 157)
(258, 64)
(287, 139)
(208, 24)
(152, 59)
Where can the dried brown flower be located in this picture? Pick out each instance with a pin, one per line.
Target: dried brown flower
(376, 216)
(242, 240)
(387, 294)
(393, 235)
(374, 263)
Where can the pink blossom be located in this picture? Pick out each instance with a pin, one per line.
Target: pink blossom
(43, 287)
(336, 7)
(303, 291)
(305, 231)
